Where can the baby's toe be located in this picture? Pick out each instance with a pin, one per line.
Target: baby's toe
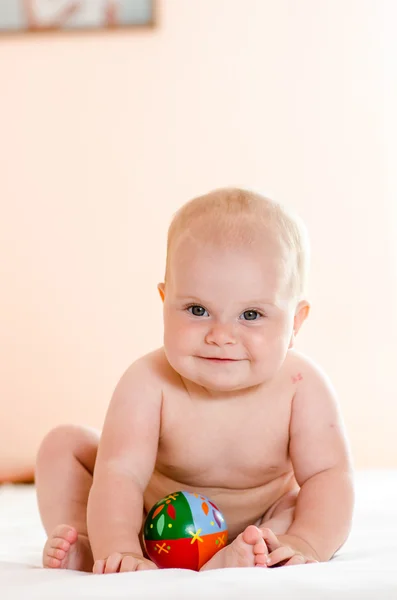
(59, 543)
(261, 560)
(260, 552)
(65, 532)
(260, 547)
(56, 553)
(51, 562)
(252, 535)
(57, 548)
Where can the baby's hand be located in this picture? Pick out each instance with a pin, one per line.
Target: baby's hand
(282, 550)
(122, 562)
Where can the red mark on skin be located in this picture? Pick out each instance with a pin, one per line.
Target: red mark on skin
(296, 378)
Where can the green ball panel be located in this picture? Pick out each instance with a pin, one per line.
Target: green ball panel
(170, 518)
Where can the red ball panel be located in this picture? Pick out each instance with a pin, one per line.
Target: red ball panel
(173, 554)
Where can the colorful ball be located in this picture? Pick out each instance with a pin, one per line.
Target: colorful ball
(183, 531)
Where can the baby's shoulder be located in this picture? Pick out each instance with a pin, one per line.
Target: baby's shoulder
(300, 368)
(153, 366)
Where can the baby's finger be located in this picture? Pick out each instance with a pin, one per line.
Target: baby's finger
(298, 559)
(146, 566)
(280, 555)
(129, 563)
(271, 539)
(99, 567)
(113, 563)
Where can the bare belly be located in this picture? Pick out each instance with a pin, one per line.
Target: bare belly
(240, 507)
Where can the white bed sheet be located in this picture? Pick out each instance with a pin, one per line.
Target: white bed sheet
(365, 568)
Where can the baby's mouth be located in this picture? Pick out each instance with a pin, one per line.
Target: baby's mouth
(220, 360)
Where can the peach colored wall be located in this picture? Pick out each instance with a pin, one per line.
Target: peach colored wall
(103, 136)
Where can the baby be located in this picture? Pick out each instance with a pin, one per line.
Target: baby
(227, 408)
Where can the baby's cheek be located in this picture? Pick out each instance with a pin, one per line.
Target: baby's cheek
(259, 345)
(180, 339)
(268, 352)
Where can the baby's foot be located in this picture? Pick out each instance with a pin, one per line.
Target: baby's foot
(66, 549)
(247, 550)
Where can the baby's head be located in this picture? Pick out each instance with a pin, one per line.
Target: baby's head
(234, 289)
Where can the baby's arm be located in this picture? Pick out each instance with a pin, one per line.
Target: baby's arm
(125, 462)
(322, 467)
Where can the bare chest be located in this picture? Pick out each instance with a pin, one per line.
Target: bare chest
(230, 443)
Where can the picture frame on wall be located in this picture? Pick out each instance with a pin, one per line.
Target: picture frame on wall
(32, 16)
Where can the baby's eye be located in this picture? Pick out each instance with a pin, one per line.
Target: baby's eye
(250, 315)
(197, 310)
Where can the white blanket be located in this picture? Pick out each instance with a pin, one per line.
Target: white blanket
(365, 568)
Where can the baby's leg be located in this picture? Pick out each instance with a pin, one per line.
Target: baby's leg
(249, 549)
(279, 517)
(64, 468)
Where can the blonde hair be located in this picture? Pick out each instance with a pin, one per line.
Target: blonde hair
(230, 216)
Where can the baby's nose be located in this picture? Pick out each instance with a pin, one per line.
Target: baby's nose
(220, 335)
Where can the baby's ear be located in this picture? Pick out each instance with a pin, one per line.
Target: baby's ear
(301, 314)
(161, 289)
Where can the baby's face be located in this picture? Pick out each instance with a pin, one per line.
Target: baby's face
(228, 314)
